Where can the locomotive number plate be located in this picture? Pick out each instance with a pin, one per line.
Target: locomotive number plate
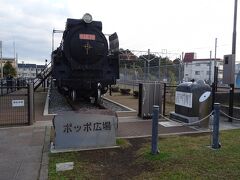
(87, 36)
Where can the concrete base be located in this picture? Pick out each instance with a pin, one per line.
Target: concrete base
(53, 150)
(183, 118)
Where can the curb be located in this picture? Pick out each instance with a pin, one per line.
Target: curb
(43, 171)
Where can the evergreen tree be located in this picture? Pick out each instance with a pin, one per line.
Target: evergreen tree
(8, 69)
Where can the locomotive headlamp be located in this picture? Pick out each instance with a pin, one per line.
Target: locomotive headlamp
(87, 18)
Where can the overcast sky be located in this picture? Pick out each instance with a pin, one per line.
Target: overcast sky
(172, 26)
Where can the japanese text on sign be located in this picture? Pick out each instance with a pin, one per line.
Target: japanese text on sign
(86, 127)
(87, 36)
(17, 103)
(183, 99)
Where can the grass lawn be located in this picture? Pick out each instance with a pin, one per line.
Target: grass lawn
(180, 157)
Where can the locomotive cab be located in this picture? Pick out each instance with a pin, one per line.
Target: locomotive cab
(83, 64)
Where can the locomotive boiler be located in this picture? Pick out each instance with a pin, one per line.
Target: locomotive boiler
(85, 64)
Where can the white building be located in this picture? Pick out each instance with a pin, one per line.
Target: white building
(29, 70)
(201, 69)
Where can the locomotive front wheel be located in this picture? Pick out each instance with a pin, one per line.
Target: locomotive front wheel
(73, 95)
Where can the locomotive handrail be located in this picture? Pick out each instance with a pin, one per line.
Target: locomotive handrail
(42, 75)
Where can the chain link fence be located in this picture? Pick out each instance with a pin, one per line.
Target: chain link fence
(172, 74)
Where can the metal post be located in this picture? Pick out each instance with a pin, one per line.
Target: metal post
(134, 78)
(215, 77)
(210, 68)
(1, 86)
(159, 71)
(155, 130)
(125, 72)
(215, 136)
(234, 37)
(164, 98)
(215, 53)
(215, 65)
(179, 70)
(148, 71)
(1, 60)
(213, 95)
(148, 61)
(30, 103)
(53, 40)
(145, 71)
(231, 97)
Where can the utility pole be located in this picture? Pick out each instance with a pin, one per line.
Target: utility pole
(1, 60)
(17, 63)
(148, 62)
(215, 67)
(210, 68)
(14, 49)
(234, 37)
(159, 71)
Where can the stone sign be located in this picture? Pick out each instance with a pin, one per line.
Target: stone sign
(183, 99)
(74, 130)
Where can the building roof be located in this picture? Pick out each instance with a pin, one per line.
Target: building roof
(26, 65)
(31, 66)
(8, 59)
(40, 66)
(188, 57)
(207, 59)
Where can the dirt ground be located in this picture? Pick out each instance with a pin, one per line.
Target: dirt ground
(118, 163)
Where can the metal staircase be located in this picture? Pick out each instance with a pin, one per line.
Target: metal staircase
(42, 76)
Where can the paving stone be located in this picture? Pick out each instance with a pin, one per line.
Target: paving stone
(64, 166)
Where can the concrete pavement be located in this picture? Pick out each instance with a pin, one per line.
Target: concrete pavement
(24, 152)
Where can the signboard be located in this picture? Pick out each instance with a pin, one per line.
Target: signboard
(17, 103)
(229, 69)
(74, 130)
(183, 99)
(87, 36)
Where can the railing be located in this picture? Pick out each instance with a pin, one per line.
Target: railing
(42, 76)
(9, 86)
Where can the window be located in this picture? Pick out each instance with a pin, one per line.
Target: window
(197, 72)
(186, 74)
(208, 72)
(197, 64)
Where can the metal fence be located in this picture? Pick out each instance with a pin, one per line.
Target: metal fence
(174, 73)
(167, 73)
(9, 86)
(16, 105)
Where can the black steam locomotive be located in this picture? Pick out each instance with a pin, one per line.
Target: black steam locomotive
(83, 65)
